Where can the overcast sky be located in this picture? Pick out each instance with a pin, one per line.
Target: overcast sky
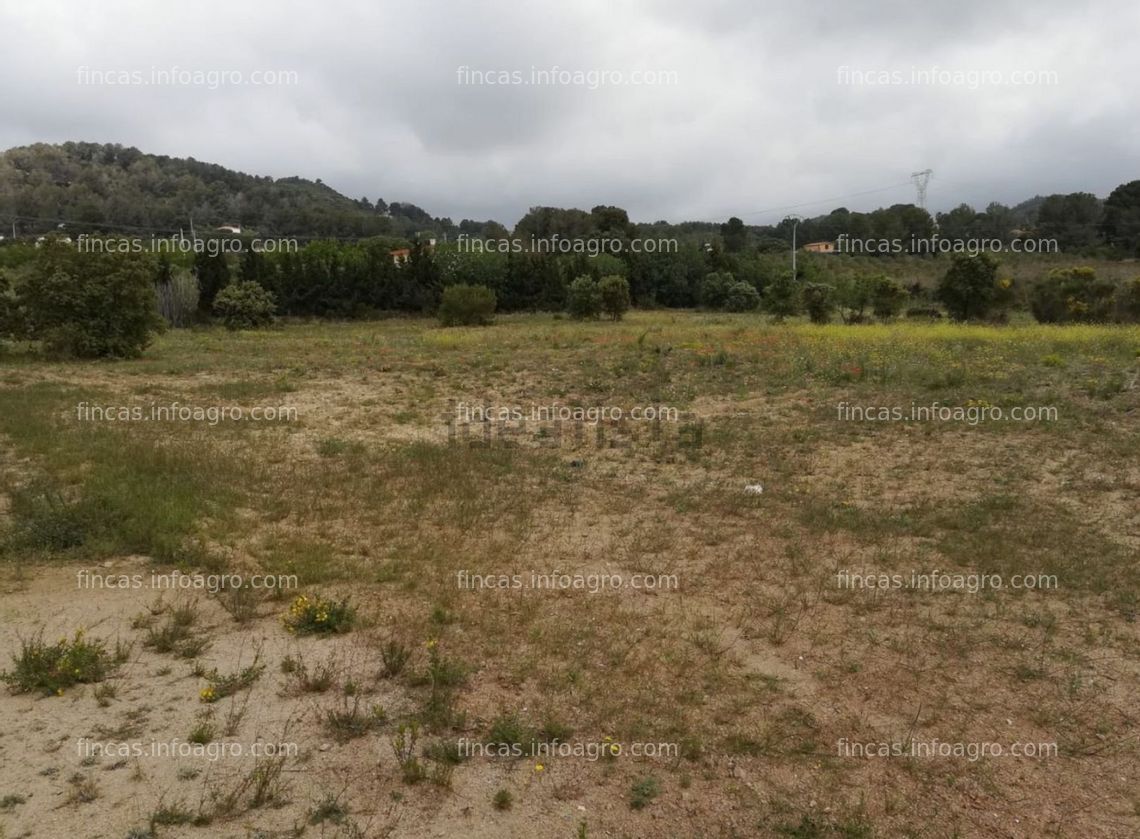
(758, 105)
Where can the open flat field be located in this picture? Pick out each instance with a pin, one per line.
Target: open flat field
(757, 646)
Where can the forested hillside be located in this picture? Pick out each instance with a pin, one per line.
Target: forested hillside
(112, 187)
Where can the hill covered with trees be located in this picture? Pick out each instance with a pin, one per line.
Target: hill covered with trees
(113, 188)
(106, 188)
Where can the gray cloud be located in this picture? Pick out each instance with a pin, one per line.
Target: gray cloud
(759, 115)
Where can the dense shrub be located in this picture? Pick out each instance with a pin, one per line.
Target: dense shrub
(178, 298)
(715, 288)
(213, 274)
(1128, 302)
(819, 301)
(1072, 295)
(614, 290)
(969, 287)
(584, 298)
(853, 294)
(90, 305)
(742, 297)
(244, 305)
(7, 308)
(782, 297)
(467, 305)
(887, 297)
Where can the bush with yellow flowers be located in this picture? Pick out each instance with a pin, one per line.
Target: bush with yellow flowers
(317, 615)
(52, 668)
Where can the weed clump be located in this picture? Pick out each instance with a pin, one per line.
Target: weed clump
(317, 615)
(52, 668)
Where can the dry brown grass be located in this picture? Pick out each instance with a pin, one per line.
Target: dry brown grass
(757, 666)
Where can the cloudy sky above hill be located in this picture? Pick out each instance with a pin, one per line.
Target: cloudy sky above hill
(752, 108)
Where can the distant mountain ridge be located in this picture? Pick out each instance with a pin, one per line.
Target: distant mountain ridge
(110, 188)
(117, 188)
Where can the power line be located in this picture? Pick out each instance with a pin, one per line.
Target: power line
(823, 200)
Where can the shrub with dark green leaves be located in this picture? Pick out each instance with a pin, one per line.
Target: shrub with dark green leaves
(714, 289)
(969, 286)
(90, 305)
(742, 297)
(887, 297)
(1128, 302)
(782, 297)
(819, 301)
(614, 290)
(245, 305)
(7, 308)
(584, 298)
(467, 305)
(1072, 295)
(853, 294)
(212, 271)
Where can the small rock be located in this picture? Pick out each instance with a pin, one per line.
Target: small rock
(753, 489)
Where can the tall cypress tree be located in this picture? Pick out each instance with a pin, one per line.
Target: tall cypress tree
(213, 273)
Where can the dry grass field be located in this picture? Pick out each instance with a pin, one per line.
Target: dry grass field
(729, 684)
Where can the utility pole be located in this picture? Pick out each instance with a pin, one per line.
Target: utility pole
(796, 219)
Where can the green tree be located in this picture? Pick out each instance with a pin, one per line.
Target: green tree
(957, 224)
(584, 298)
(997, 222)
(1122, 218)
(7, 308)
(213, 273)
(90, 305)
(887, 297)
(244, 305)
(614, 290)
(612, 222)
(782, 297)
(252, 267)
(423, 279)
(734, 234)
(1073, 220)
(741, 297)
(818, 301)
(714, 289)
(969, 286)
(853, 294)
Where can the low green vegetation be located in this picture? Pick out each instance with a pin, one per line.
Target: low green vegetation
(52, 668)
(467, 305)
